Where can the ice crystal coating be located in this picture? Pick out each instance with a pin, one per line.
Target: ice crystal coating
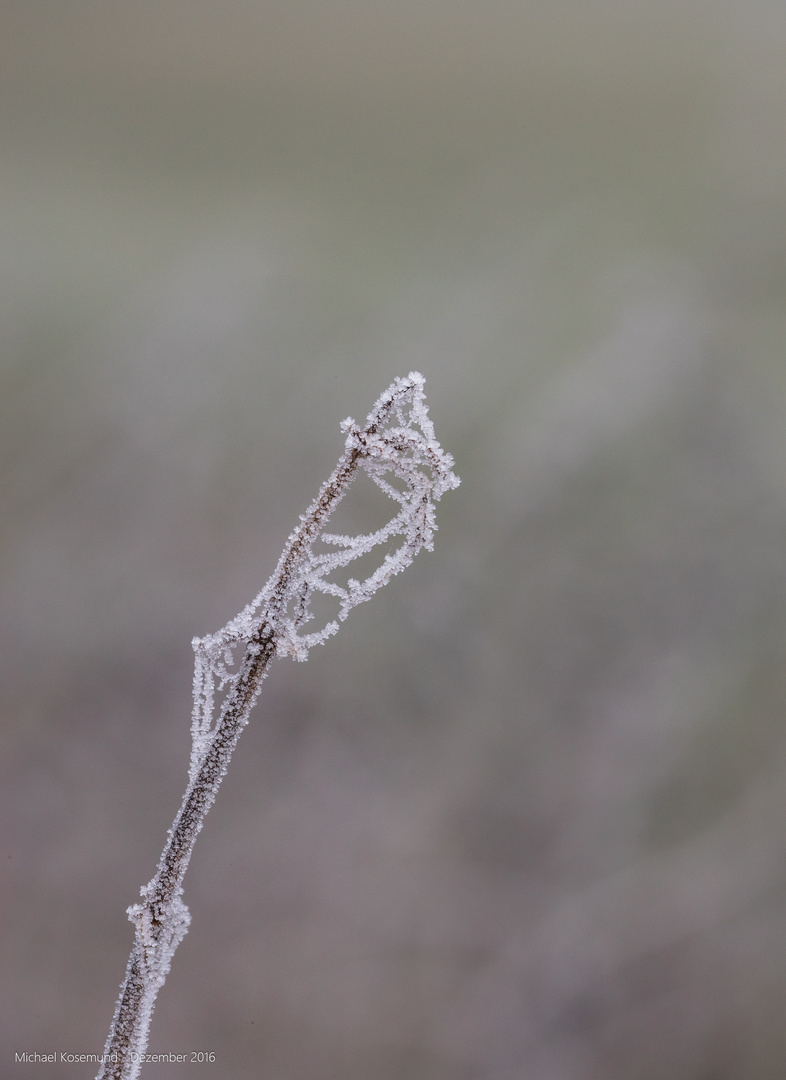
(397, 442)
(397, 446)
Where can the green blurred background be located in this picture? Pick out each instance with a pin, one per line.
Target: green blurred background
(524, 817)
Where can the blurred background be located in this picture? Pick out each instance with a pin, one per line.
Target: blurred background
(524, 817)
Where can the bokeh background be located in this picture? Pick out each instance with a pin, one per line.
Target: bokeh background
(524, 817)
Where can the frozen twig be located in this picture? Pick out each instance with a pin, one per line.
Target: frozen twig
(398, 450)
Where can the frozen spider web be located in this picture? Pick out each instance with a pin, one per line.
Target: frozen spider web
(398, 450)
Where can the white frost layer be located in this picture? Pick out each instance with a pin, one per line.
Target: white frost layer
(397, 443)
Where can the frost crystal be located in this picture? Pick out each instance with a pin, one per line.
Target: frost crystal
(397, 443)
(398, 450)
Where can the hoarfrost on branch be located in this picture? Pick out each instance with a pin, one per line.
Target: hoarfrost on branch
(397, 446)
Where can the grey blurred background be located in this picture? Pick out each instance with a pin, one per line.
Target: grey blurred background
(524, 817)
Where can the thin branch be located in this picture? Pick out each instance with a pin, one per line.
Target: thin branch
(398, 440)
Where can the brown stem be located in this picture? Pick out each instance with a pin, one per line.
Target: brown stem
(162, 919)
